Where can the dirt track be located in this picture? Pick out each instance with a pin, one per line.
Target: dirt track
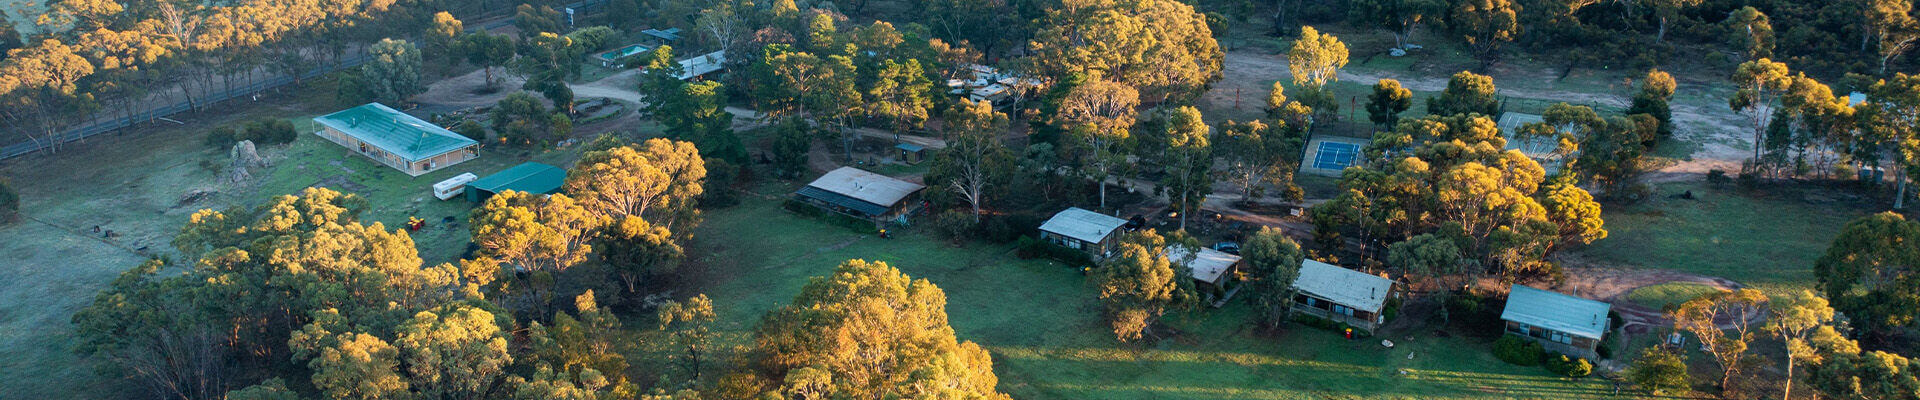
(1700, 113)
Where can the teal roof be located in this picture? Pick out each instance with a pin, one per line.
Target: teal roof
(530, 177)
(1551, 310)
(395, 131)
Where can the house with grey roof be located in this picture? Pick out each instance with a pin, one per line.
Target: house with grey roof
(1078, 228)
(1212, 270)
(1560, 322)
(396, 139)
(856, 192)
(1342, 295)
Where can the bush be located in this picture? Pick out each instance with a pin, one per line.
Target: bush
(270, 131)
(1007, 228)
(722, 177)
(1718, 178)
(1580, 368)
(594, 38)
(472, 130)
(1518, 351)
(1572, 367)
(222, 137)
(9, 204)
(956, 225)
(1605, 353)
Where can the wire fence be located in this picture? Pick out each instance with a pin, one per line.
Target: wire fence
(103, 123)
(157, 111)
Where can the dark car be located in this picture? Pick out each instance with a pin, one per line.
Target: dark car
(1227, 247)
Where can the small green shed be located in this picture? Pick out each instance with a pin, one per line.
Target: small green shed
(530, 177)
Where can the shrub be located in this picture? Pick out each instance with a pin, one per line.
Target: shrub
(222, 137)
(9, 204)
(1580, 368)
(1518, 351)
(472, 130)
(593, 38)
(1658, 371)
(1718, 178)
(1572, 367)
(722, 177)
(270, 131)
(1605, 353)
(956, 225)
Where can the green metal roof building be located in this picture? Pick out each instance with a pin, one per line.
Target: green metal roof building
(1563, 323)
(396, 139)
(530, 177)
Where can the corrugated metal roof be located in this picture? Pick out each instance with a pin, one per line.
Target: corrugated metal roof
(1082, 225)
(1348, 287)
(877, 189)
(530, 177)
(670, 34)
(395, 131)
(1552, 310)
(702, 65)
(1207, 265)
(836, 199)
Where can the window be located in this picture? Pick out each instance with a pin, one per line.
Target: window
(1342, 310)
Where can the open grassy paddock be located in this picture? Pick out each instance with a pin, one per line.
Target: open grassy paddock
(1767, 239)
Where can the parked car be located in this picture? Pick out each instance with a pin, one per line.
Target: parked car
(1227, 247)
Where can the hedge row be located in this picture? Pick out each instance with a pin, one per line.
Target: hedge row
(1524, 352)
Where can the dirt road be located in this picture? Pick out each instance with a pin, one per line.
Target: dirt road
(1700, 113)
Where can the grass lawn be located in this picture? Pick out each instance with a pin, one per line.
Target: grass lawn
(1041, 322)
(1765, 240)
(1661, 296)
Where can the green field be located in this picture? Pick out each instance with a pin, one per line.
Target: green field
(1664, 295)
(1041, 322)
(1768, 240)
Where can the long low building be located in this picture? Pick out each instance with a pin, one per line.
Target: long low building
(396, 139)
(856, 192)
(1341, 295)
(529, 177)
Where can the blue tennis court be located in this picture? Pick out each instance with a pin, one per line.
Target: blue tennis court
(1335, 155)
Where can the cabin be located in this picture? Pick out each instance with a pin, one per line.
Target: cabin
(856, 192)
(1212, 270)
(665, 36)
(1561, 323)
(533, 177)
(1078, 228)
(698, 68)
(911, 153)
(1341, 295)
(395, 139)
(618, 58)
